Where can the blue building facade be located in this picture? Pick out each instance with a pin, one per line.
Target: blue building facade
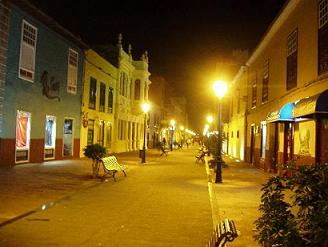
(43, 89)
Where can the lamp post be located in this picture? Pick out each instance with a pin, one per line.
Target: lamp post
(172, 122)
(145, 109)
(220, 88)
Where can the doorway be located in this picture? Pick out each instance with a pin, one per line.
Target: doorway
(288, 142)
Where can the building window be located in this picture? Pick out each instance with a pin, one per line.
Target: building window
(92, 93)
(108, 135)
(110, 100)
(68, 137)
(123, 84)
(23, 134)
(27, 51)
(102, 97)
(50, 137)
(265, 82)
(131, 89)
(237, 134)
(91, 129)
(72, 71)
(101, 132)
(137, 90)
(231, 134)
(292, 60)
(254, 91)
(323, 37)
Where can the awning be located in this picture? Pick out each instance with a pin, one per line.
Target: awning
(312, 105)
(284, 114)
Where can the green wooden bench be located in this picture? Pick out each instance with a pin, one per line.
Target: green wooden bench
(111, 166)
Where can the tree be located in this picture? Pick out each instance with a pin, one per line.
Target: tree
(95, 152)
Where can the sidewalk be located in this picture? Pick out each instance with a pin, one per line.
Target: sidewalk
(27, 187)
(238, 198)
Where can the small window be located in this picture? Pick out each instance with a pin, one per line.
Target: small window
(254, 91)
(110, 100)
(91, 127)
(72, 71)
(231, 134)
(292, 60)
(137, 90)
(323, 37)
(27, 52)
(237, 133)
(102, 97)
(92, 93)
(265, 82)
(323, 13)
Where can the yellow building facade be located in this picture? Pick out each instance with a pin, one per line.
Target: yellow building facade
(98, 107)
(132, 90)
(282, 92)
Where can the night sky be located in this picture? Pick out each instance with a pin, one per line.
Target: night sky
(189, 42)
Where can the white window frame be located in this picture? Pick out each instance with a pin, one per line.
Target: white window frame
(72, 71)
(28, 45)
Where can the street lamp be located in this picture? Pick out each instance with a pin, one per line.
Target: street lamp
(209, 119)
(172, 123)
(145, 108)
(220, 88)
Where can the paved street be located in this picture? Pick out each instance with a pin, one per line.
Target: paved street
(166, 202)
(162, 203)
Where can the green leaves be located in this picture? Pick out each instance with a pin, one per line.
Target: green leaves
(94, 151)
(278, 226)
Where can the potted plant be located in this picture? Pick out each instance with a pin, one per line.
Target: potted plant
(95, 152)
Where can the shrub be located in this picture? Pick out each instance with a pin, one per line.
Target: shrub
(278, 226)
(94, 151)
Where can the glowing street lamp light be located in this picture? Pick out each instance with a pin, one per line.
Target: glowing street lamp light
(210, 119)
(145, 108)
(220, 88)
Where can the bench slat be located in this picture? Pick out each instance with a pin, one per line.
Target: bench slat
(111, 166)
(223, 232)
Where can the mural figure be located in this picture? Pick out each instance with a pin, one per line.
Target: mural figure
(49, 86)
(304, 142)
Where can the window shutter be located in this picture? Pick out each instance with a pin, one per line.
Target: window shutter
(28, 50)
(72, 72)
